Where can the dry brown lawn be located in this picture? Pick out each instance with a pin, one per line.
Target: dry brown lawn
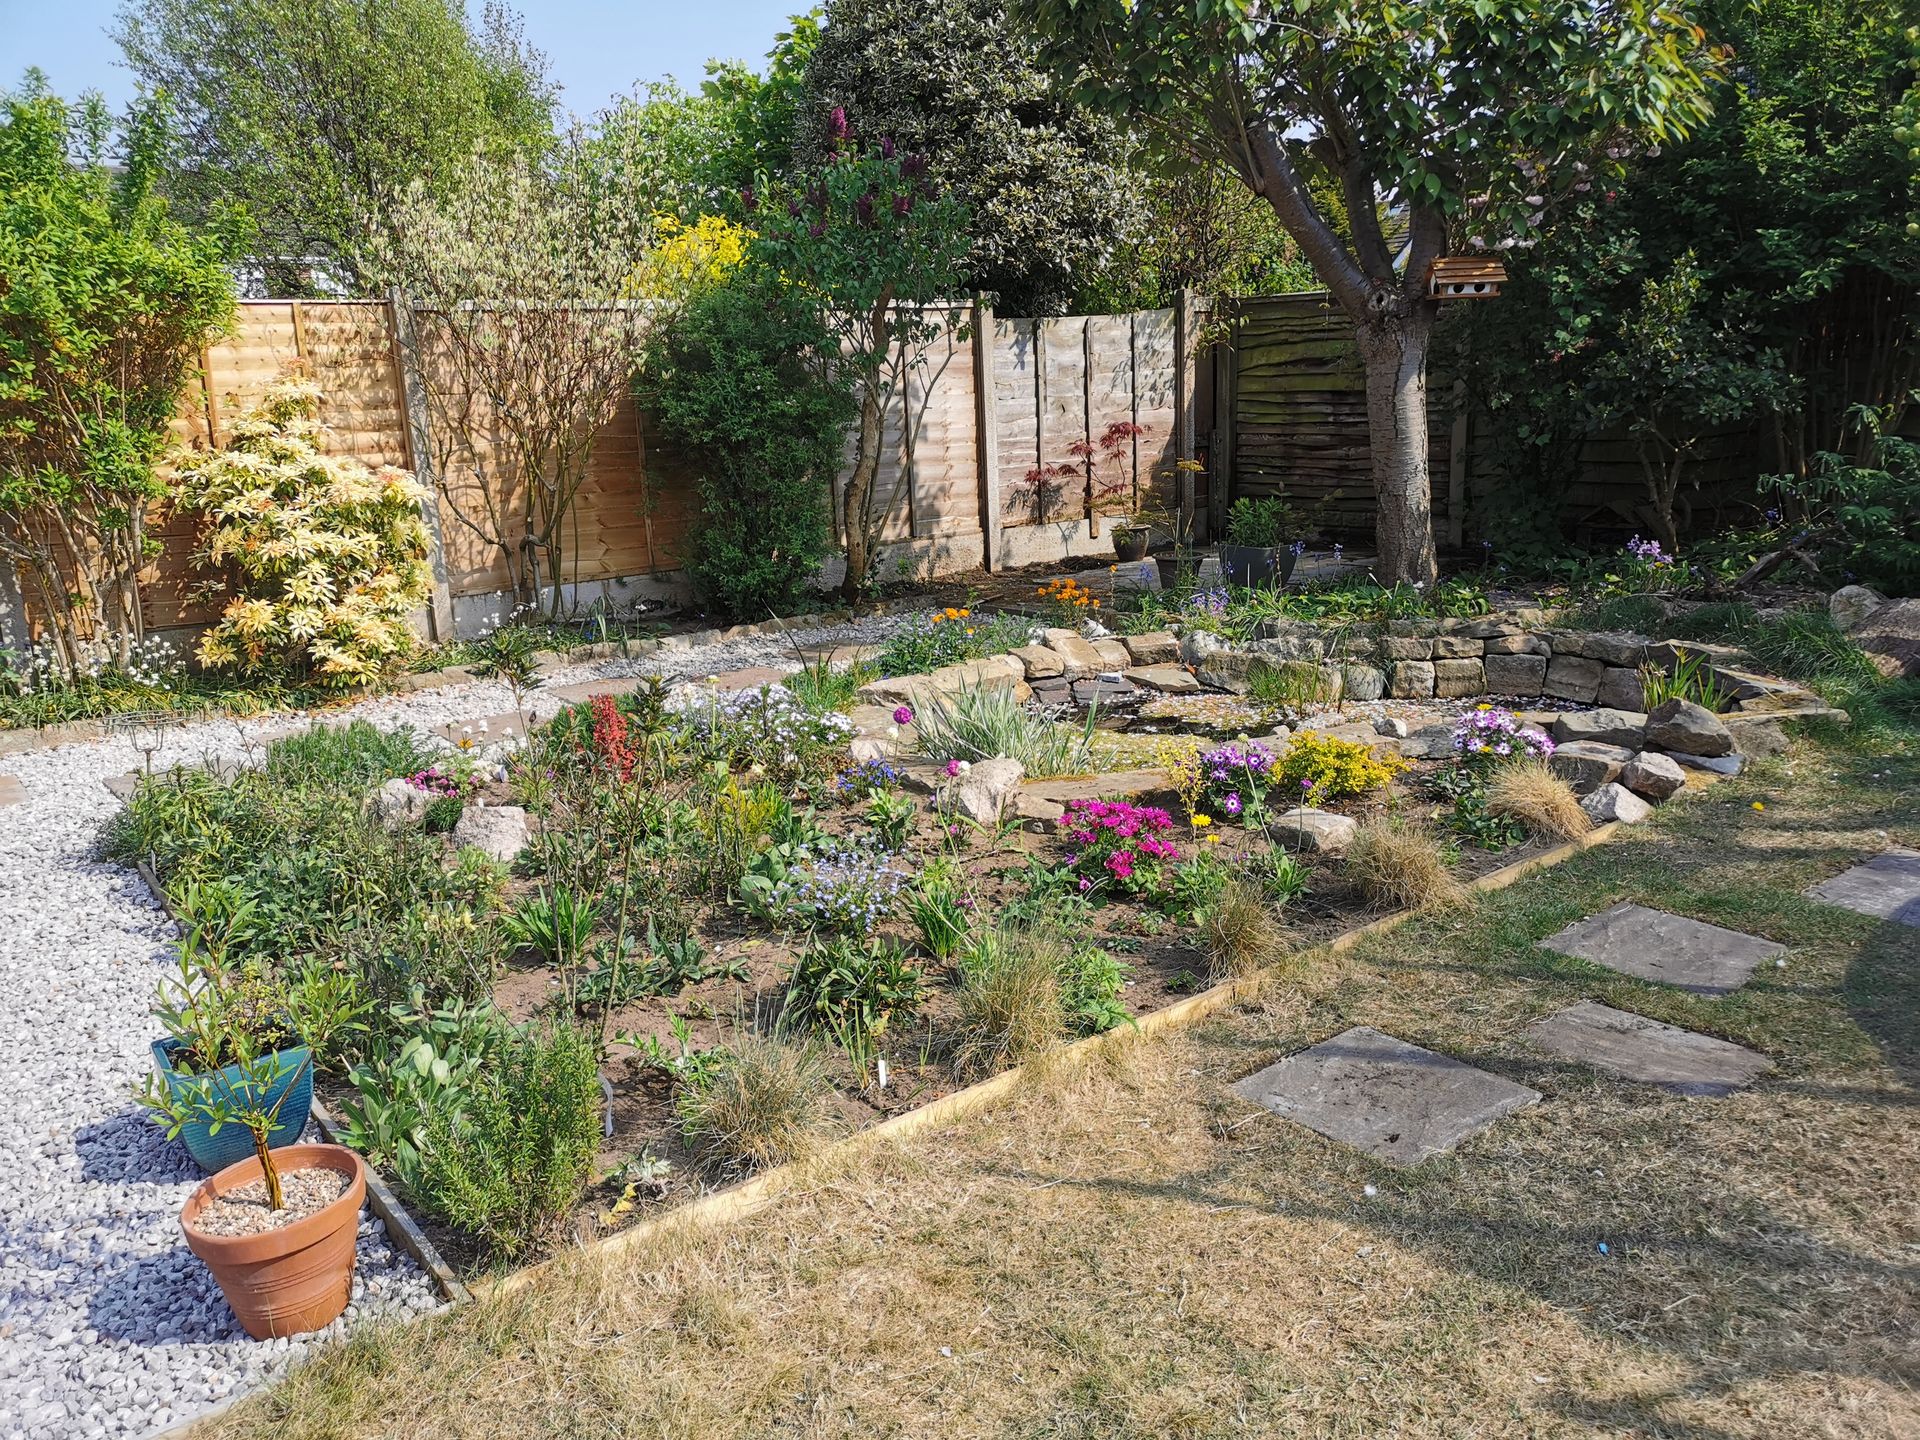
(1127, 1250)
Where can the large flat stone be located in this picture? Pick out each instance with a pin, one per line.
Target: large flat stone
(1393, 1100)
(1167, 679)
(1637, 1048)
(1653, 945)
(12, 792)
(1114, 785)
(1887, 887)
(592, 689)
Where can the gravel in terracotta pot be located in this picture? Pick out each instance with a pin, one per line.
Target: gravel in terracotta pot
(284, 1271)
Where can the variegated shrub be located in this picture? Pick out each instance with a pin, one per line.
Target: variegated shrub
(324, 558)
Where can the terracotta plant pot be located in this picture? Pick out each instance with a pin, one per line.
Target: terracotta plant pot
(294, 1279)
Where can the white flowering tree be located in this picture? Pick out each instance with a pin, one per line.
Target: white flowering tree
(526, 280)
(324, 558)
(1462, 117)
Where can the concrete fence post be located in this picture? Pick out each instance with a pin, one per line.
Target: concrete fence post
(986, 420)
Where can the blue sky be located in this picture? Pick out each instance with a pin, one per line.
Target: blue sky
(596, 50)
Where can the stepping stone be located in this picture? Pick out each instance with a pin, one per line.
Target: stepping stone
(751, 678)
(1653, 945)
(1887, 887)
(1395, 1101)
(1637, 1048)
(590, 689)
(12, 792)
(121, 787)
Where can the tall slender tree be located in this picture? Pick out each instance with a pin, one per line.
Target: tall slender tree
(1467, 117)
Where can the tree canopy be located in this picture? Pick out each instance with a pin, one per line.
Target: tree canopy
(315, 116)
(1470, 117)
(1042, 176)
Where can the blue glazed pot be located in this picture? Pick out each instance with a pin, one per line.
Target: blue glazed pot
(293, 1079)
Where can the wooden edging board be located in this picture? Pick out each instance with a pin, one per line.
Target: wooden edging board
(749, 1197)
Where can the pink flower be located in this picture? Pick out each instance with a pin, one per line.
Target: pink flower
(1121, 864)
(903, 715)
(953, 767)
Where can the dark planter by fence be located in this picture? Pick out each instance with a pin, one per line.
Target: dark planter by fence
(1256, 567)
(213, 1153)
(1130, 543)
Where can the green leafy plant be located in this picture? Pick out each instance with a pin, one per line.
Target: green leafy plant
(855, 988)
(1690, 677)
(1267, 523)
(109, 302)
(871, 243)
(949, 636)
(556, 926)
(737, 384)
(980, 722)
(510, 1166)
(325, 559)
(891, 814)
(935, 905)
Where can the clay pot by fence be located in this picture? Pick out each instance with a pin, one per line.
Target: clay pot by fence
(293, 1279)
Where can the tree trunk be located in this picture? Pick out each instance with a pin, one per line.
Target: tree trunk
(1394, 347)
(866, 468)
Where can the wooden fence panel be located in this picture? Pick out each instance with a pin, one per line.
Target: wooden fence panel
(945, 467)
(1016, 399)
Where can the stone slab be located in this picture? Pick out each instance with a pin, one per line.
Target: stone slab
(1887, 887)
(1395, 1101)
(592, 689)
(12, 792)
(1670, 949)
(1114, 785)
(1167, 679)
(1636, 1048)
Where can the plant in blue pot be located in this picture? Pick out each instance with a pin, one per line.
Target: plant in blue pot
(1264, 539)
(233, 1075)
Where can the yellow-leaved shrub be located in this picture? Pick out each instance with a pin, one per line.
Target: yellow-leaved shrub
(324, 558)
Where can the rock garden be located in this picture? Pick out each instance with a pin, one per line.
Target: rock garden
(555, 969)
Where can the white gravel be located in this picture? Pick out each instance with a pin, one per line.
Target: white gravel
(108, 1325)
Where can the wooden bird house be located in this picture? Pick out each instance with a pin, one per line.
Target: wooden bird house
(1465, 277)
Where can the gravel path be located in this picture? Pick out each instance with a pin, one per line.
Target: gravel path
(108, 1326)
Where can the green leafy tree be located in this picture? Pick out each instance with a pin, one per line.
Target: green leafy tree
(316, 116)
(1466, 116)
(737, 386)
(1195, 228)
(1677, 372)
(1042, 176)
(1796, 209)
(105, 303)
(872, 243)
(702, 152)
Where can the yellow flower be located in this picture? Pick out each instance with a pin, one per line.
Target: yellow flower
(1213, 839)
(1758, 806)
(1200, 822)
(969, 629)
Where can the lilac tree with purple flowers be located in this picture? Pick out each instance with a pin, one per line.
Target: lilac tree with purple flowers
(875, 244)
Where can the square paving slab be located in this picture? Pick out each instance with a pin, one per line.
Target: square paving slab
(1672, 949)
(1637, 1048)
(12, 792)
(1887, 887)
(1393, 1100)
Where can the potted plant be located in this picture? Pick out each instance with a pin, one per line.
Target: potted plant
(278, 1224)
(1262, 543)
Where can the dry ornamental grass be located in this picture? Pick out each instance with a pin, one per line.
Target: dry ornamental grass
(1399, 865)
(1529, 792)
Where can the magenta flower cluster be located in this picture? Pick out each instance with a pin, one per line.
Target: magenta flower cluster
(1120, 844)
(436, 781)
(1498, 734)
